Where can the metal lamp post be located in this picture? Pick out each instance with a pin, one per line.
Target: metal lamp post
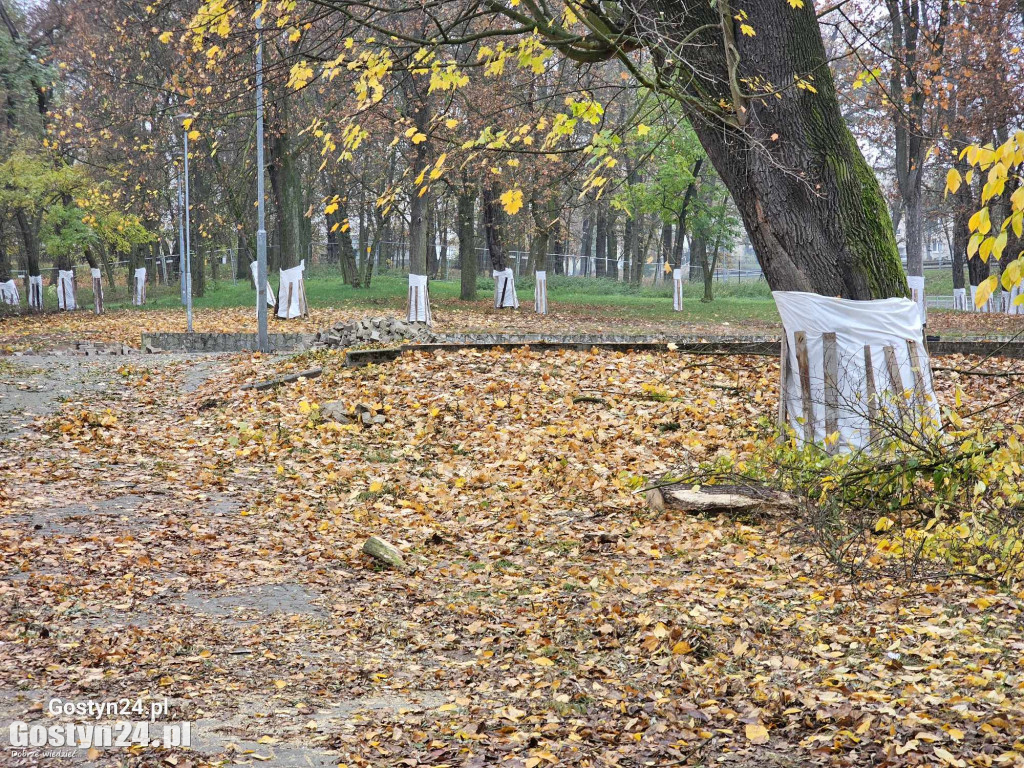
(188, 239)
(181, 241)
(261, 233)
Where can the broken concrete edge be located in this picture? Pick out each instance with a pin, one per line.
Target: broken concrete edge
(764, 346)
(312, 373)
(353, 358)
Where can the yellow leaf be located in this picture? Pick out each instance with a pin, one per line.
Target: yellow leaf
(953, 181)
(451, 122)
(418, 138)
(193, 135)
(512, 201)
(280, 683)
(376, 486)
(541, 661)
(796, 3)
(166, 37)
(757, 733)
(643, 130)
(985, 291)
(883, 524)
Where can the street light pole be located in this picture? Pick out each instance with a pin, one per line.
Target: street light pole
(188, 239)
(181, 240)
(261, 233)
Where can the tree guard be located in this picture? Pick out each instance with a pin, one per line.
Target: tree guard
(853, 371)
(540, 292)
(960, 300)
(505, 289)
(916, 285)
(419, 300)
(35, 291)
(97, 290)
(621, 266)
(9, 293)
(291, 301)
(66, 290)
(677, 290)
(139, 287)
(1011, 296)
(254, 269)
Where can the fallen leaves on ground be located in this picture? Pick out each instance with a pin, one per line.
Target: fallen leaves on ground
(548, 618)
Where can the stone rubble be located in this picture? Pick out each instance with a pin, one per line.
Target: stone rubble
(374, 330)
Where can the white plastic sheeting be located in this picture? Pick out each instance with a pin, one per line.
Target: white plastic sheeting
(291, 299)
(540, 292)
(1012, 308)
(66, 289)
(677, 290)
(9, 293)
(139, 292)
(621, 264)
(35, 291)
(505, 289)
(960, 300)
(254, 268)
(97, 289)
(836, 388)
(988, 307)
(916, 284)
(419, 300)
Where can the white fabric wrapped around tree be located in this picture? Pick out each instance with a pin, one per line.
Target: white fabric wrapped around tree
(852, 367)
(97, 290)
(9, 293)
(66, 290)
(291, 299)
(621, 266)
(677, 290)
(419, 300)
(960, 300)
(505, 289)
(254, 269)
(540, 292)
(916, 285)
(988, 307)
(35, 291)
(1012, 307)
(139, 288)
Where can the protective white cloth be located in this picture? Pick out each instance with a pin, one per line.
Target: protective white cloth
(505, 289)
(291, 300)
(960, 300)
(988, 307)
(139, 288)
(677, 290)
(419, 300)
(9, 293)
(1012, 308)
(35, 291)
(97, 289)
(593, 266)
(540, 292)
(621, 265)
(254, 267)
(857, 324)
(66, 289)
(916, 284)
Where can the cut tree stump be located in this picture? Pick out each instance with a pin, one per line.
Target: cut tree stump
(718, 499)
(385, 553)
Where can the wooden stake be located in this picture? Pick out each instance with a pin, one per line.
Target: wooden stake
(895, 380)
(915, 368)
(784, 382)
(800, 339)
(831, 355)
(869, 375)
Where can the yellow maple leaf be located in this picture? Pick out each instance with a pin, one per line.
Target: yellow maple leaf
(747, 30)
(166, 37)
(643, 130)
(796, 3)
(512, 201)
(757, 733)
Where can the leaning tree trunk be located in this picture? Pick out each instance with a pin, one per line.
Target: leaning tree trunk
(809, 201)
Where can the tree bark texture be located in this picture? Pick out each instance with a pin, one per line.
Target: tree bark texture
(809, 201)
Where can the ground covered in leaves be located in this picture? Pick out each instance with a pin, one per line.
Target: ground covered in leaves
(165, 534)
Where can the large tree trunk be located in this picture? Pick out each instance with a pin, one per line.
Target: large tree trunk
(810, 203)
(493, 229)
(601, 244)
(294, 232)
(465, 203)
